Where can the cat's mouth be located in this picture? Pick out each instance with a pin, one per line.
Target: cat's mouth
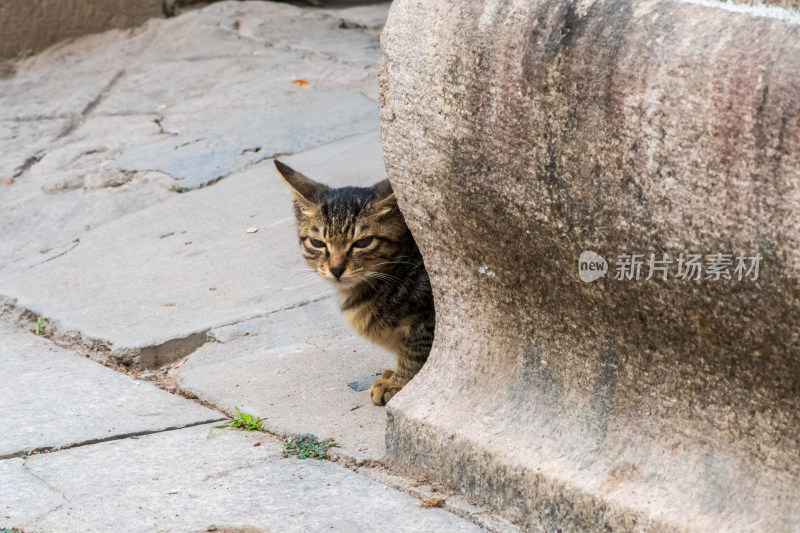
(345, 282)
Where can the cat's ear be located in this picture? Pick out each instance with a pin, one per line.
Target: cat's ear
(382, 190)
(302, 187)
(385, 200)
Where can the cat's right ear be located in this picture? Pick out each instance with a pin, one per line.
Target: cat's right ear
(385, 201)
(302, 187)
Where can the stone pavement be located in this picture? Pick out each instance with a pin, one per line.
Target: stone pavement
(131, 165)
(127, 466)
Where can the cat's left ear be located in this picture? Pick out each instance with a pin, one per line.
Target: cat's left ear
(385, 200)
(303, 188)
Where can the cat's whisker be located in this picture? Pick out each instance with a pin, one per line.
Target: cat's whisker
(305, 278)
(384, 277)
(396, 262)
(390, 282)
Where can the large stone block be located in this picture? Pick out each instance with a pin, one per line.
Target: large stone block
(519, 134)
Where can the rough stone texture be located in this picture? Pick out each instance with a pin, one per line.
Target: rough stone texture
(292, 369)
(225, 481)
(519, 134)
(29, 27)
(53, 398)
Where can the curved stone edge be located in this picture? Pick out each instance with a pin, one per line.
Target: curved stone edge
(621, 458)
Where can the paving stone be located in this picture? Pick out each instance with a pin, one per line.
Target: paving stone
(293, 369)
(224, 481)
(52, 398)
(181, 267)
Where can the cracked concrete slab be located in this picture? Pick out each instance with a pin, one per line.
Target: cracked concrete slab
(224, 481)
(181, 267)
(292, 369)
(54, 398)
(94, 236)
(196, 97)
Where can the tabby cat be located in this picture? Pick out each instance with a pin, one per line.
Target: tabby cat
(356, 239)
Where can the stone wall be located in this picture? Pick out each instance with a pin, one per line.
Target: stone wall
(519, 134)
(29, 26)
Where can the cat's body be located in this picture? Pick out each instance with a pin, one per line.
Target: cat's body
(356, 238)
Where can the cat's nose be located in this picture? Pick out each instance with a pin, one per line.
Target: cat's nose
(337, 271)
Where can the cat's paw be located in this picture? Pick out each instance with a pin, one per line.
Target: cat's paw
(384, 388)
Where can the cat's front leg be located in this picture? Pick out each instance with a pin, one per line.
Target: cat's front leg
(385, 387)
(410, 359)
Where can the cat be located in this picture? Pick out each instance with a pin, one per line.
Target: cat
(356, 239)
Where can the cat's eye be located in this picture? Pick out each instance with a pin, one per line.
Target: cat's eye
(315, 243)
(363, 243)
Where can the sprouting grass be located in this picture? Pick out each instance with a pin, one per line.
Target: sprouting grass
(309, 447)
(244, 421)
(39, 325)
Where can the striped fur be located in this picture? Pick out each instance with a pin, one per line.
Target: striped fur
(384, 289)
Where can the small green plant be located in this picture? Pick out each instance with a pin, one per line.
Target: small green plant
(309, 446)
(39, 325)
(242, 421)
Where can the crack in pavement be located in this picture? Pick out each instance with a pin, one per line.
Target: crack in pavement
(70, 127)
(36, 118)
(74, 245)
(51, 488)
(302, 303)
(125, 360)
(27, 164)
(120, 436)
(161, 129)
(247, 165)
(91, 106)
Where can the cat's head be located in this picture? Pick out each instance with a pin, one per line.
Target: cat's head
(349, 235)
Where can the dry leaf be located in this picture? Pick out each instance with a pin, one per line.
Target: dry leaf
(9, 181)
(179, 363)
(421, 480)
(171, 304)
(302, 83)
(257, 444)
(427, 503)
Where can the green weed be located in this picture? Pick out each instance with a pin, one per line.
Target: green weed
(309, 446)
(39, 327)
(242, 421)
